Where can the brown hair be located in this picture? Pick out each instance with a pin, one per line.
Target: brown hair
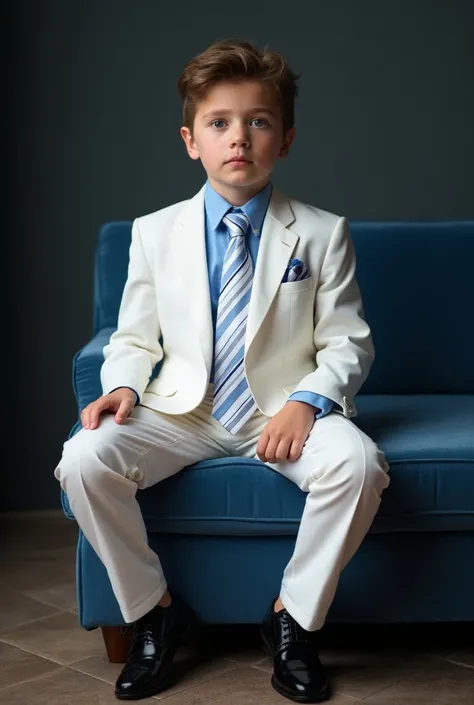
(237, 60)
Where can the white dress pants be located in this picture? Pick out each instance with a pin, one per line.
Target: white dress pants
(341, 469)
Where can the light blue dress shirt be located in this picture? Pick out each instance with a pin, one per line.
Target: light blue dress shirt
(217, 240)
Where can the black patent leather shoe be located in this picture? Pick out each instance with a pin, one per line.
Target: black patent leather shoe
(156, 638)
(298, 674)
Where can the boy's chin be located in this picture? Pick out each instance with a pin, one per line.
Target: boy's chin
(240, 180)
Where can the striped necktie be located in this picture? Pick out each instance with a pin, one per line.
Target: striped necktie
(233, 403)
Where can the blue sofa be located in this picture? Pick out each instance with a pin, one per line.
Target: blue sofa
(225, 529)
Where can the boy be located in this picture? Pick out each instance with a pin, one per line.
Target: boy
(264, 349)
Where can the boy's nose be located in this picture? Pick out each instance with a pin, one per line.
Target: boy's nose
(239, 137)
(240, 143)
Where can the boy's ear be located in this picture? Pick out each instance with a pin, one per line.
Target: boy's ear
(287, 140)
(189, 142)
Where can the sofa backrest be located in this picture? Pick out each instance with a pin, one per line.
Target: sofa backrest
(417, 285)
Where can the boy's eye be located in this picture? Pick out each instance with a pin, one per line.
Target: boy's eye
(261, 120)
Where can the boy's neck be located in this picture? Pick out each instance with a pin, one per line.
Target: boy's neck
(237, 196)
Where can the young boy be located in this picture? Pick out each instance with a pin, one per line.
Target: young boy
(264, 349)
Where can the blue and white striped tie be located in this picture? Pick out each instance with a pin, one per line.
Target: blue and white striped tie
(233, 403)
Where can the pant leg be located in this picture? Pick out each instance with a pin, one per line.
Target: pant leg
(100, 471)
(344, 474)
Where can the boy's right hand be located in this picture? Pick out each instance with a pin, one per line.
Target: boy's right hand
(121, 401)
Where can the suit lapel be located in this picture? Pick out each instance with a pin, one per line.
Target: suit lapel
(190, 240)
(274, 252)
(276, 247)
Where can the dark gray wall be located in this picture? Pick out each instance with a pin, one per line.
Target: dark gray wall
(384, 130)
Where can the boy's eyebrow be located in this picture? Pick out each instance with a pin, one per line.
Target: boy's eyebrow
(261, 109)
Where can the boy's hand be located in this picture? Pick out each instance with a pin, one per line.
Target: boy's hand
(121, 401)
(285, 434)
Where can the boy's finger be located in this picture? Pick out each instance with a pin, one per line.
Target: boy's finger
(281, 453)
(295, 451)
(262, 445)
(270, 453)
(95, 413)
(93, 418)
(123, 411)
(85, 417)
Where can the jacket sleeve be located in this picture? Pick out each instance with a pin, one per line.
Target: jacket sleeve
(342, 338)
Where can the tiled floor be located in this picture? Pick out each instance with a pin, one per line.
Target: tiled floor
(46, 657)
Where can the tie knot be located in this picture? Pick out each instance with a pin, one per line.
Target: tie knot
(237, 222)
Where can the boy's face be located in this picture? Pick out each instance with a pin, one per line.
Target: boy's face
(238, 120)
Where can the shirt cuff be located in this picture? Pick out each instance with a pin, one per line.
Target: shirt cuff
(323, 404)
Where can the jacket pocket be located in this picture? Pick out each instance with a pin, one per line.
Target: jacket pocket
(301, 285)
(163, 388)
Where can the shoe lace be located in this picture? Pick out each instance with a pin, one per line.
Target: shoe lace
(292, 632)
(147, 630)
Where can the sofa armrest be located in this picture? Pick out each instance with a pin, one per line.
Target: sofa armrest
(86, 369)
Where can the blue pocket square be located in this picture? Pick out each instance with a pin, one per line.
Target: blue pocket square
(296, 271)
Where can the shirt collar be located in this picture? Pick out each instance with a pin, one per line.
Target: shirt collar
(255, 209)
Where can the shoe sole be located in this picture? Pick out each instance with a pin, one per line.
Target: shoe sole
(168, 680)
(325, 695)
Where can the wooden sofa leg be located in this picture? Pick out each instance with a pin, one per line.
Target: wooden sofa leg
(117, 642)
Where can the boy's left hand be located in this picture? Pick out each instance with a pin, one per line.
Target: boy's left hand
(285, 434)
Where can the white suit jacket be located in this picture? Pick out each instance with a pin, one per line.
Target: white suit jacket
(307, 335)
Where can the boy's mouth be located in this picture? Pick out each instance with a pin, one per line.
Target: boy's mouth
(238, 160)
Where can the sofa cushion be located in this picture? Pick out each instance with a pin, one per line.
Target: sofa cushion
(414, 277)
(428, 441)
